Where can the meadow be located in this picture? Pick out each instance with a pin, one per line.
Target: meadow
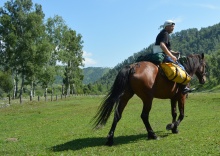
(64, 127)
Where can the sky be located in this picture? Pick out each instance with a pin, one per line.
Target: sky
(113, 30)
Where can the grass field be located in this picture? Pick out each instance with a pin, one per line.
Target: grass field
(64, 128)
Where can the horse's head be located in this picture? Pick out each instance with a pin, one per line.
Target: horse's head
(195, 64)
(201, 70)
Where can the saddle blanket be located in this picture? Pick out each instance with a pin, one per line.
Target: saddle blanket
(175, 73)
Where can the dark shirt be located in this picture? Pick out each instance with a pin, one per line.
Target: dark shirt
(164, 37)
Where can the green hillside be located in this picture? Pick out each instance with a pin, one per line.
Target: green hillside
(92, 74)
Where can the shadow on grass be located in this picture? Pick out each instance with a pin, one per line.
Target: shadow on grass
(79, 144)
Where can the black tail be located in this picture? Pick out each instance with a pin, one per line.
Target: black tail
(112, 98)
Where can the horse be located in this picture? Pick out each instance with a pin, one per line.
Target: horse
(146, 80)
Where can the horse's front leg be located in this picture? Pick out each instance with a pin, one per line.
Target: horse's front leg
(172, 125)
(181, 104)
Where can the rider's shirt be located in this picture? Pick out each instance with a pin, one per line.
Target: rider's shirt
(164, 37)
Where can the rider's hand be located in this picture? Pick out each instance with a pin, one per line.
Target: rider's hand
(173, 58)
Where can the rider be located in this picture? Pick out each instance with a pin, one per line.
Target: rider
(162, 44)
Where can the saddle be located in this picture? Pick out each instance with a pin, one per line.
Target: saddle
(155, 58)
(172, 71)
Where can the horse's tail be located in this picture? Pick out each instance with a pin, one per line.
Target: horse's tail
(111, 100)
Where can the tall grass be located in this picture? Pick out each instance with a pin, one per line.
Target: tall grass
(64, 128)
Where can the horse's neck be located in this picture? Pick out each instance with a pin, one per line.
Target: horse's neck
(191, 66)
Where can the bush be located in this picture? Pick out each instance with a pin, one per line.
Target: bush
(6, 83)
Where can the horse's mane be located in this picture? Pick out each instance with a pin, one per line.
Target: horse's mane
(190, 62)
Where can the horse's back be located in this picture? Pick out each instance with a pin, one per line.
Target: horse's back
(147, 80)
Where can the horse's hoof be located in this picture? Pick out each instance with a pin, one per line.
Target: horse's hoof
(109, 143)
(152, 135)
(170, 126)
(175, 131)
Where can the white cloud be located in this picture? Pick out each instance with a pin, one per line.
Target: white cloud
(85, 54)
(178, 19)
(209, 6)
(88, 60)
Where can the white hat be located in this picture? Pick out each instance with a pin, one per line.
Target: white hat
(166, 23)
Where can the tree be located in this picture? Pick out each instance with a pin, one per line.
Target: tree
(67, 49)
(26, 48)
(56, 28)
(71, 56)
(47, 77)
(214, 65)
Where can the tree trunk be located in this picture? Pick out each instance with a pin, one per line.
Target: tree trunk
(31, 91)
(45, 94)
(22, 85)
(14, 90)
(34, 90)
(62, 89)
(73, 89)
(15, 94)
(68, 90)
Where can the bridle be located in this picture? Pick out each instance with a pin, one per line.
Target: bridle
(202, 63)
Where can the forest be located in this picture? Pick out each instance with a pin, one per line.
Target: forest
(39, 55)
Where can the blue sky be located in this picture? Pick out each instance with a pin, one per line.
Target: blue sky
(113, 30)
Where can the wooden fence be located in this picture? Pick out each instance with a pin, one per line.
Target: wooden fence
(8, 100)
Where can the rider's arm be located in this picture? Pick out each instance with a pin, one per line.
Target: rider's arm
(167, 52)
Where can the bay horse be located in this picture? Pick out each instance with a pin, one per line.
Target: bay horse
(146, 81)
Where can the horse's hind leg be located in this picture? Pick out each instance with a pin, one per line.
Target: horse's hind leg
(145, 117)
(117, 116)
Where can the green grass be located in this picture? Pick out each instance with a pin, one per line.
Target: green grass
(64, 128)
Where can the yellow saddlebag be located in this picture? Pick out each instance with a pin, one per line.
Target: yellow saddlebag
(175, 73)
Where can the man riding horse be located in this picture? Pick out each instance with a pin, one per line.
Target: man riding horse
(143, 79)
(163, 45)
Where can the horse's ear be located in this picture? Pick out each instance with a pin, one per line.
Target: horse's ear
(202, 55)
